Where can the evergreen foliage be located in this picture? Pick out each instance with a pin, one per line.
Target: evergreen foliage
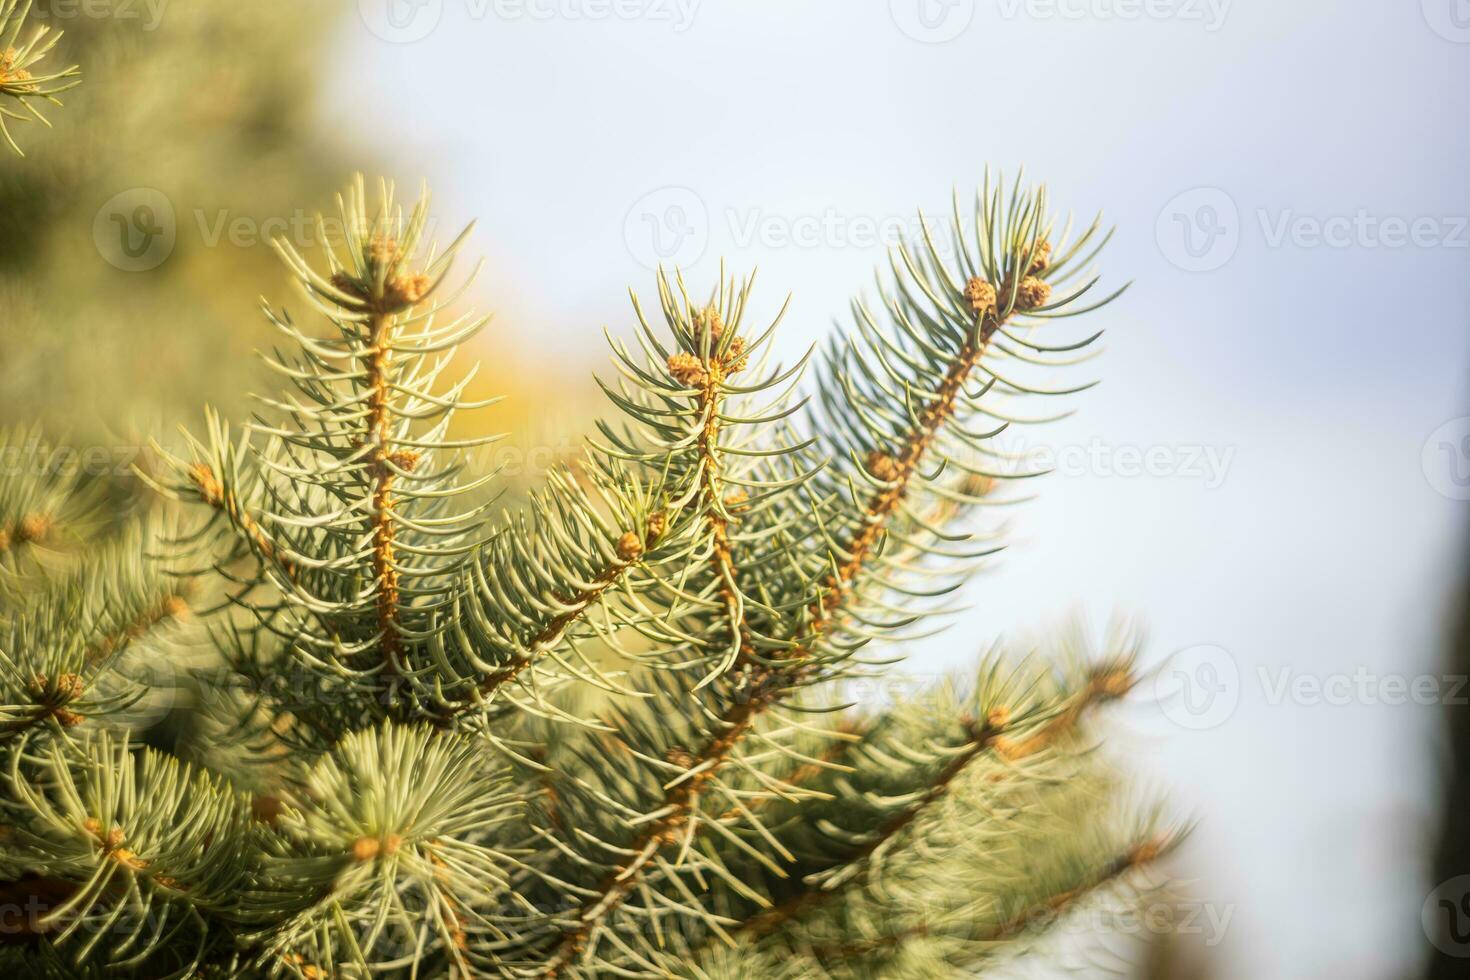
(606, 732)
(24, 81)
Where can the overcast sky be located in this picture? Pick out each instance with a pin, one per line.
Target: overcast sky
(1267, 473)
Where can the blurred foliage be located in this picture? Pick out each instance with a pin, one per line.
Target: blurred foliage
(210, 106)
(207, 110)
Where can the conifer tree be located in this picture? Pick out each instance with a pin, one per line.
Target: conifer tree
(610, 732)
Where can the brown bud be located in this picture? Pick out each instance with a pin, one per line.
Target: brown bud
(405, 291)
(658, 523)
(630, 547)
(12, 75)
(365, 848)
(882, 466)
(1032, 293)
(382, 250)
(1041, 259)
(680, 756)
(735, 358)
(33, 527)
(345, 283)
(709, 319)
(686, 369)
(998, 717)
(405, 460)
(980, 295)
(69, 686)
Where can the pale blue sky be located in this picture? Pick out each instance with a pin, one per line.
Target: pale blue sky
(1313, 372)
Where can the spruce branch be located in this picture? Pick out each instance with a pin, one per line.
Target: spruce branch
(64, 648)
(22, 79)
(378, 855)
(346, 491)
(563, 573)
(605, 731)
(47, 510)
(151, 852)
(947, 342)
(994, 733)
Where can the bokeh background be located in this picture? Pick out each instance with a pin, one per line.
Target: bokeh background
(1273, 474)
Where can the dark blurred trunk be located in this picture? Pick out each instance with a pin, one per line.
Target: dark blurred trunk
(1452, 856)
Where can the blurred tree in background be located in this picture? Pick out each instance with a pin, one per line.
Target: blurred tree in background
(135, 235)
(205, 107)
